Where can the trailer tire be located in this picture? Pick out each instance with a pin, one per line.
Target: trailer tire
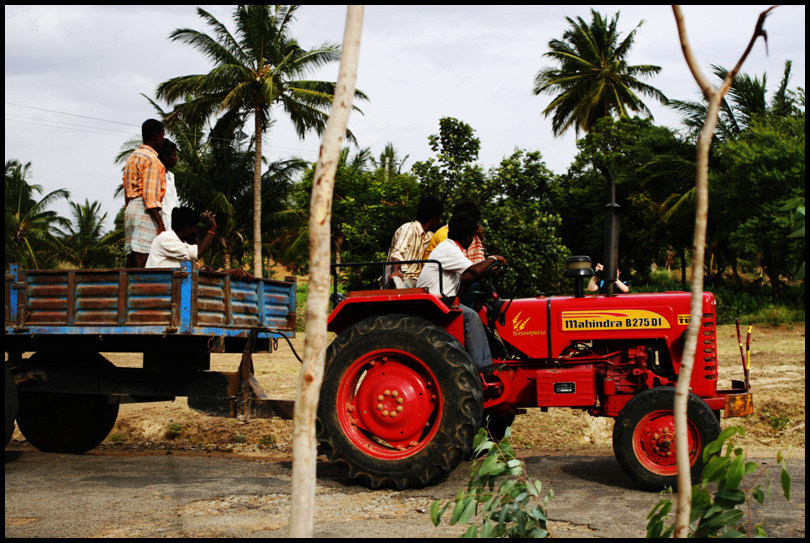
(66, 423)
(12, 404)
(400, 403)
(643, 437)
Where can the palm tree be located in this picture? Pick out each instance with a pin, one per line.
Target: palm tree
(258, 68)
(593, 79)
(84, 242)
(746, 99)
(390, 161)
(31, 229)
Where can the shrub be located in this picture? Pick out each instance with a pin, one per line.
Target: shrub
(511, 504)
(720, 514)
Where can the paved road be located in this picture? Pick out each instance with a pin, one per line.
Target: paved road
(176, 495)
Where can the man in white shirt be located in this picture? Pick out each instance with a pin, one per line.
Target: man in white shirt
(168, 156)
(173, 246)
(458, 270)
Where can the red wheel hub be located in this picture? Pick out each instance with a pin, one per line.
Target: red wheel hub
(388, 403)
(654, 442)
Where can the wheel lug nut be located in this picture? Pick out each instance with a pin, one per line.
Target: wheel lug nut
(393, 414)
(350, 409)
(387, 392)
(385, 413)
(399, 409)
(379, 407)
(380, 398)
(395, 394)
(400, 400)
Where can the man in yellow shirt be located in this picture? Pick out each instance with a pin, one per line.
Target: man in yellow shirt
(475, 252)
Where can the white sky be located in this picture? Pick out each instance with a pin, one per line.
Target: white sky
(417, 64)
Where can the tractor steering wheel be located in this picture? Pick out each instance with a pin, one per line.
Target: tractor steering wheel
(488, 279)
(496, 269)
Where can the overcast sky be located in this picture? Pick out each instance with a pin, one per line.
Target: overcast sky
(75, 74)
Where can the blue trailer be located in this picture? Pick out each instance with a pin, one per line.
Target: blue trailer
(65, 395)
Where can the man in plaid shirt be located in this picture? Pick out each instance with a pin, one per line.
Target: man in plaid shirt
(144, 187)
(409, 243)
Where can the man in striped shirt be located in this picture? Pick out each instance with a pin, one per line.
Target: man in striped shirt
(409, 243)
(144, 187)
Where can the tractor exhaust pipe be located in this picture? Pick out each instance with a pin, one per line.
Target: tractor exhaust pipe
(611, 250)
(611, 247)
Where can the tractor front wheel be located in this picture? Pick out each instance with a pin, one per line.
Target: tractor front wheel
(644, 437)
(400, 404)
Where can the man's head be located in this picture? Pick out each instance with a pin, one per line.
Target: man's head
(469, 208)
(153, 133)
(429, 212)
(168, 154)
(462, 229)
(184, 222)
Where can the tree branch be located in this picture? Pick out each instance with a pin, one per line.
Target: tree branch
(714, 97)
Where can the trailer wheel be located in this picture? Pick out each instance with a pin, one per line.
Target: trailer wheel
(400, 404)
(11, 405)
(644, 437)
(64, 422)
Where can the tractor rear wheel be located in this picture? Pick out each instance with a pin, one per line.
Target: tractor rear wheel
(644, 437)
(400, 404)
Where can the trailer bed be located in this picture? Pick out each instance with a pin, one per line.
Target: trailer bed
(128, 310)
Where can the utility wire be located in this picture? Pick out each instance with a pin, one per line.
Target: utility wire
(61, 123)
(111, 133)
(71, 114)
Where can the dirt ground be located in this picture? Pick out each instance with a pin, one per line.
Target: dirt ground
(778, 422)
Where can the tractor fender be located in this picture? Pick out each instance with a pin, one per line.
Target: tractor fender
(358, 306)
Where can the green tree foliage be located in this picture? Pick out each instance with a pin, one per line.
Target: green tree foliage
(517, 205)
(84, 244)
(746, 99)
(592, 78)
(31, 229)
(454, 170)
(256, 69)
(520, 223)
(761, 171)
(651, 167)
(216, 174)
(369, 205)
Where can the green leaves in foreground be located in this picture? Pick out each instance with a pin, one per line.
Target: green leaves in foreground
(499, 493)
(720, 515)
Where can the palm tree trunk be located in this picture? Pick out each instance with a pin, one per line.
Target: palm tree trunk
(257, 197)
(309, 384)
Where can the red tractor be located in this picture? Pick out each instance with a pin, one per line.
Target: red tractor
(402, 401)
